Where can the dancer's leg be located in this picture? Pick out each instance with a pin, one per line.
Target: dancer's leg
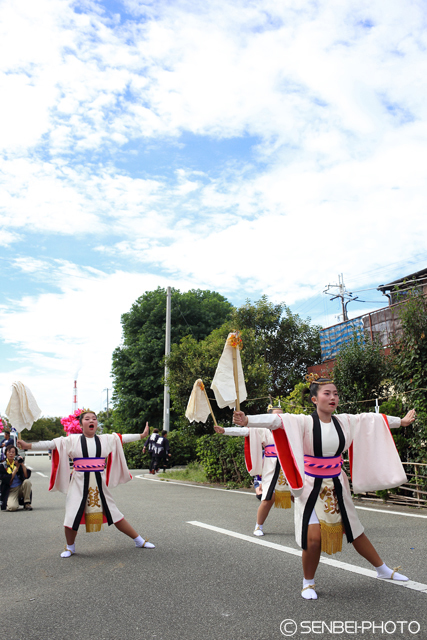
(124, 526)
(261, 516)
(263, 510)
(310, 560)
(364, 546)
(70, 537)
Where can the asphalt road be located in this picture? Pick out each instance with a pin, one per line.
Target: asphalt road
(199, 583)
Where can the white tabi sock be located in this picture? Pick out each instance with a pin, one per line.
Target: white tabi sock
(308, 592)
(385, 573)
(140, 542)
(258, 530)
(70, 549)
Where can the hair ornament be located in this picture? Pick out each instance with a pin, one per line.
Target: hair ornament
(314, 378)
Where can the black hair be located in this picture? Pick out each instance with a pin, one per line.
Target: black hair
(164, 433)
(313, 389)
(11, 446)
(271, 409)
(85, 413)
(155, 430)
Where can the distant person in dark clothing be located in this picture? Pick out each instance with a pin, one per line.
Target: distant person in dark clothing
(161, 452)
(149, 445)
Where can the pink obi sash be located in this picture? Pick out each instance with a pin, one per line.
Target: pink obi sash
(322, 467)
(89, 464)
(270, 451)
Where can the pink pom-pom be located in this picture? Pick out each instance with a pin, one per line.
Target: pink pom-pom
(71, 423)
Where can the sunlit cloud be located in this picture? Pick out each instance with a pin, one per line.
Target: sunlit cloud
(244, 147)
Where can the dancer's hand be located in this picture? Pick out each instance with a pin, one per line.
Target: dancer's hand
(240, 419)
(409, 418)
(23, 445)
(146, 431)
(219, 429)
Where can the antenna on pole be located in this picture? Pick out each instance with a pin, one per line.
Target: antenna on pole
(166, 397)
(344, 295)
(75, 403)
(108, 412)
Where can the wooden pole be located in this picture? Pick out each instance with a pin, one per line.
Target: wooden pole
(209, 404)
(236, 378)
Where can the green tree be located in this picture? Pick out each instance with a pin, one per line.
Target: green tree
(277, 348)
(409, 360)
(137, 366)
(45, 428)
(288, 343)
(361, 373)
(294, 403)
(106, 423)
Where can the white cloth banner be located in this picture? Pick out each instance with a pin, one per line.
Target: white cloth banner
(197, 407)
(223, 384)
(22, 409)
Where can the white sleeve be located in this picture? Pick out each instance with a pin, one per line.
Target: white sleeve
(42, 445)
(265, 421)
(393, 422)
(236, 431)
(130, 437)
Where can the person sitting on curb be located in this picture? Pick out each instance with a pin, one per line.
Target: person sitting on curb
(15, 481)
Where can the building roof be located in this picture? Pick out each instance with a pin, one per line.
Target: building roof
(419, 277)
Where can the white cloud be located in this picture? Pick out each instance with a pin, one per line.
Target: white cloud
(78, 328)
(330, 95)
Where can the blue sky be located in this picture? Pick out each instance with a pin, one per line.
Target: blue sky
(249, 147)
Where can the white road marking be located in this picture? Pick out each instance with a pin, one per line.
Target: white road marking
(410, 584)
(245, 493)
(395, 513)
(193, 486)
(42, 474)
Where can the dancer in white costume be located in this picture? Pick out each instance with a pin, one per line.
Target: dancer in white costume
(89, 500)
(261, 459)
(309, 449)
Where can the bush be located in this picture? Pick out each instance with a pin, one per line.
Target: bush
(361, 373)
(223, 459)
(182, 448)
(409, 360)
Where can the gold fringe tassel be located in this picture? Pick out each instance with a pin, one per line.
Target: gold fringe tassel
(282, 499)
(93, 521)
(331, 537)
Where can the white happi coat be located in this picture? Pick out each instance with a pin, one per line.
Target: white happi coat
(256, 463)
(374, 461)
(70, 447)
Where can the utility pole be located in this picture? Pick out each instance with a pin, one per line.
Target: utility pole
(343, 294)
(107, 390)
(166, 397)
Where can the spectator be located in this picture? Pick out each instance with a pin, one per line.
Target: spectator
(150, 446)
(163, 444)
(8, 439)
(15, 481)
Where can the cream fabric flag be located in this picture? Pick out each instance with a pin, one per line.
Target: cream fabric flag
(197, 407)
(223, 384)
(22, 409)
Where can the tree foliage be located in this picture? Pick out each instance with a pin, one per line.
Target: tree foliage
(45, 428)
(138, 363)
(409, 360)
(361, 373)
(223, 459)
(277, 348)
